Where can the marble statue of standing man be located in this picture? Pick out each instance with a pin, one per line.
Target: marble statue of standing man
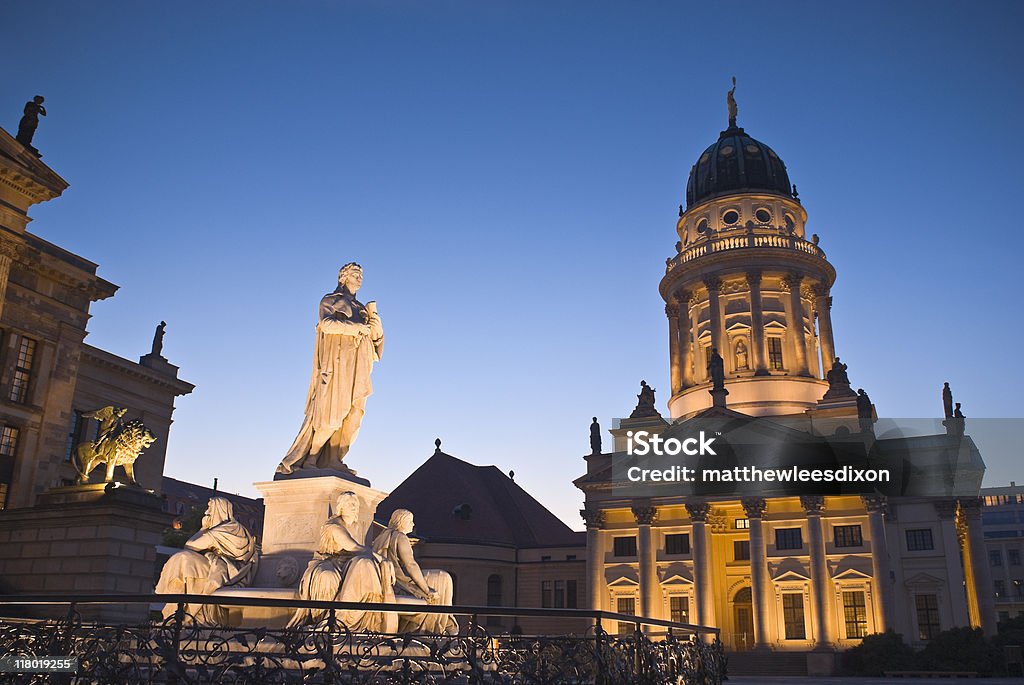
(349, 339)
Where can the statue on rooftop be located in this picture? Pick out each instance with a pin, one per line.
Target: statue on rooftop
(731, 102)
(595, 437)
(864, 410)
(349, 339)
(716, 370)
(30, 122)
(645, 402)
(158, 339)
(947, 400)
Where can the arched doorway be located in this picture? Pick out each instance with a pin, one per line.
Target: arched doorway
(742, 620)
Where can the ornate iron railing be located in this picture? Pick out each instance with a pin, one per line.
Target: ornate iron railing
(178, 650)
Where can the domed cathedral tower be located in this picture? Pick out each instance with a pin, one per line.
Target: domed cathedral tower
(746, 281)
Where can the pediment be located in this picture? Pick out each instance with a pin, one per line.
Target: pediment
(924, 580)
(788, 569)
(851, 567)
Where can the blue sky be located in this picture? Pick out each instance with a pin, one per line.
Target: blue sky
(508, 174)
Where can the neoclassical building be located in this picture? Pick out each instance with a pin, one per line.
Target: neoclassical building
(799, 573)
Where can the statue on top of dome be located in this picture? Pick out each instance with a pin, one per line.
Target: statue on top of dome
(731, 100)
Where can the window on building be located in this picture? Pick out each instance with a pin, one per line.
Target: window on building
(793, 615)
(8, 451)
(559, 594)
(547, 594)
(624, 546)
(494, 597)
(570, 595)
(742, 524)
(1013, 557)
(855, 612)
(545, 557)
(995, 557)
(848, 536)
(1018, 588)
(775, 354)
(927, 616)
(78, 433)
(788, 538)
(919, 539)
(1000, 588)
(494, 590)
(679, 609)
(626, 605)
(677, 543)
(23, 371)
(741, 550)
(570, 557)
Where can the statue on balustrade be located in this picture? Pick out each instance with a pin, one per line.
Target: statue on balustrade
(345, 570)
(411, 584)
(716, 370)
(223, 553)
(595, 437)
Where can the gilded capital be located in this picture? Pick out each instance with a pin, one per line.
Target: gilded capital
(820, 290)
(594, 518)
(945, 507)
(672, 309)
(754, 279)
(875, 504)
(754, 507)
(698, 510)
(713, 283)
(645, 516)
(812, 504)
(971, 507)
(792, 281)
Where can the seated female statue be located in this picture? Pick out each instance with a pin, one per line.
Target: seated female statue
(344, 570)
(433, 585)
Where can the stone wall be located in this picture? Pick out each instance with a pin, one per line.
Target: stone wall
(84, 540)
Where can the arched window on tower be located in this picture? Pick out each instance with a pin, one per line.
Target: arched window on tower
(742, 358)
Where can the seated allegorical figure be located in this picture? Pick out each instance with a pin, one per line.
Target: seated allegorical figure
(222, 553)
(432, 585)
(344, 570)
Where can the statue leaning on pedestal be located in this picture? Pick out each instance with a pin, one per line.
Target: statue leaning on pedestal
(349, 339)
(222, 553)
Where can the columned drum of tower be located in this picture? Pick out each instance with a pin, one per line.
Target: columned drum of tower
(748, 282)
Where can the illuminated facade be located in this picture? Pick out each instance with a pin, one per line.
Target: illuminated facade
(785, 574)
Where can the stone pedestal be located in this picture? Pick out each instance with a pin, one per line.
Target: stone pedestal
(295, 510)
(84, 539)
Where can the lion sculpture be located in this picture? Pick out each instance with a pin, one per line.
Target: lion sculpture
(117, 443)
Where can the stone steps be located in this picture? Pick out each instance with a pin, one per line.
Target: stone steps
(768, 663)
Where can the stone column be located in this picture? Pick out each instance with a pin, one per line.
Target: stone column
(823, 303)
(757, 342)
(594, 519)
(650, 586)
(754, 508)
(714, 286)
(821, 586)
(697, 352)
(5, 272)
(945, 507)
(674, 355)
(795, 323)
(970, 508)
(884, 601)
(705, 597)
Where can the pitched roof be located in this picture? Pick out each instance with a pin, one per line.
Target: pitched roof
(499, 511)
